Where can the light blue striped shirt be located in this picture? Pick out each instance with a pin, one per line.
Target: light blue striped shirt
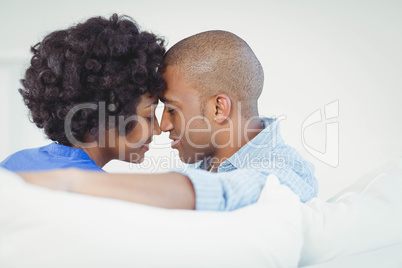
(241, 177)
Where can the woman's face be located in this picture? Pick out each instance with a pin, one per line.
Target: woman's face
(132, 147)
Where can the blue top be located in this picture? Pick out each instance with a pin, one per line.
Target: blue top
(241, 177)
(52, 156)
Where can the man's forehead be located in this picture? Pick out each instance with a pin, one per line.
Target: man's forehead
(178, 88)
(173, 93)
(170, 97)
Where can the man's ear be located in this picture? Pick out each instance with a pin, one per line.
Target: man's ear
(222, 108)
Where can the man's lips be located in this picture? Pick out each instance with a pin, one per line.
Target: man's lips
(175, 143)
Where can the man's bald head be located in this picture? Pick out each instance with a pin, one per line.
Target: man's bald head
(217, 62)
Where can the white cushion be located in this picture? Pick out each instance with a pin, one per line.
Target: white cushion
(364, 217)
(44, 228)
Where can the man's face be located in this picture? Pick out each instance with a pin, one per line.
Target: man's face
(182, 116)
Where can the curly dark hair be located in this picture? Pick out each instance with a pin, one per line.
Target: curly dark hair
(100, 60)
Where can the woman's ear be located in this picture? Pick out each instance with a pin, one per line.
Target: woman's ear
(222, 108)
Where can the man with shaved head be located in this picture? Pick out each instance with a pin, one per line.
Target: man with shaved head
(213, 82)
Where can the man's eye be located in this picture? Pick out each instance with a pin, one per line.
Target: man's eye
(170, 109)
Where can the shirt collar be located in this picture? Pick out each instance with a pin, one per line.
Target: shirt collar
(260, 147)
(66, 151)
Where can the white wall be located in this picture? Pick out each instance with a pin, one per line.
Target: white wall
(314, 53)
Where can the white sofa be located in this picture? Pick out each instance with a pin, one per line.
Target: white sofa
(359, 226)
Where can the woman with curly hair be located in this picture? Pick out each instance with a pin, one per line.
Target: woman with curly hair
(93, 89)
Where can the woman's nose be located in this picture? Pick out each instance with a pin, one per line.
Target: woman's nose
(156, 128)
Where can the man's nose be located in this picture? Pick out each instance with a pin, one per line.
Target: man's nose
(166, 124)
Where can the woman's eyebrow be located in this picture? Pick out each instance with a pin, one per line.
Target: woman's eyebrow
(154, 103)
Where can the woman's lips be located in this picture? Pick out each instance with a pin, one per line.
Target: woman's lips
(175, 143)
(145, 147)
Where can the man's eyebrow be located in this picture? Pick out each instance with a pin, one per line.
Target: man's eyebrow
(168, 101)
(154, 103)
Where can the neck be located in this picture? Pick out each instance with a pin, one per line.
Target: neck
(245, 130)
(95, 154)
